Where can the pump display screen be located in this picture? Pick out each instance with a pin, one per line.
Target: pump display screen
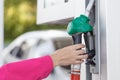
(49, 3)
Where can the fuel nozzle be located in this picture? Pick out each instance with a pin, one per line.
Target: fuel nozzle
(90, 47)
(75, 69)
(76, 28)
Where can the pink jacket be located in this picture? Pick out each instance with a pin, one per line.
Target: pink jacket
(32, 69)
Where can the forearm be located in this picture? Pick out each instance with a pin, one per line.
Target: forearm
(32, 69)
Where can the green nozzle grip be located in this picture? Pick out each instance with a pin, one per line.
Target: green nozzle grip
(79, 25)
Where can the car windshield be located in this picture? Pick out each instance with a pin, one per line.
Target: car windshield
(22, 50)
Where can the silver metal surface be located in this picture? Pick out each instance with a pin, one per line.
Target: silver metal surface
(100, 70)
(101, 23)
(89, 7)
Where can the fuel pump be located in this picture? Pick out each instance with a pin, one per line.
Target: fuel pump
(78, 27)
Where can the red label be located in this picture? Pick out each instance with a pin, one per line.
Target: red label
(75, 76)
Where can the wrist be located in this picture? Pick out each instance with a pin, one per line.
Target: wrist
(55, 59)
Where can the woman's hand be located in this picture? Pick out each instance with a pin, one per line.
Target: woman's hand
(69, 55)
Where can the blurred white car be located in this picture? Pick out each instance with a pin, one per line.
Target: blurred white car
(39, 43)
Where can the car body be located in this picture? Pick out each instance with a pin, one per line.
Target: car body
(36, 44)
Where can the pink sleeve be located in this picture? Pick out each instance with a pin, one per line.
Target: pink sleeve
(32, 69)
